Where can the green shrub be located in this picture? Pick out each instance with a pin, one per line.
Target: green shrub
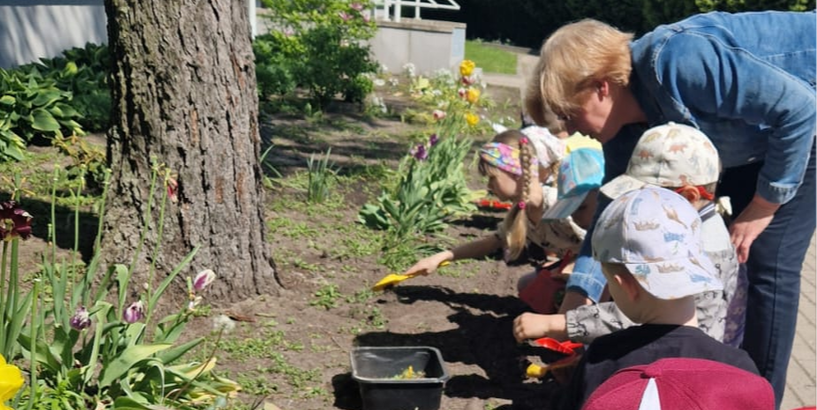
(83, 72)
(32, 105)
(317, 45)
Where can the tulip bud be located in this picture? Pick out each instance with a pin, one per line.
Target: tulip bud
(80, 320)
(134, 313)
(203, 279)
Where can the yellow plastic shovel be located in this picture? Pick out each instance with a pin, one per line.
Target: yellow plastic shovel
(393, 279)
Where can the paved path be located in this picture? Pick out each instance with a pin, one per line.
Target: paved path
(800, 385)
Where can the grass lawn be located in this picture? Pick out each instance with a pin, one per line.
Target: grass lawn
(491, 59)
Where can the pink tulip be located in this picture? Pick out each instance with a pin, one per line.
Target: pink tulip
(203, 279)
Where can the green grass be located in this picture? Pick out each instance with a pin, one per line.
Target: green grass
(490, 59)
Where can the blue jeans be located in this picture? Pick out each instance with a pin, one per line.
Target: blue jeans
(774, 268)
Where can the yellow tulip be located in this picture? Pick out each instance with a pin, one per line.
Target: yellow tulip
(467, 67)
(471, 118)
(11, 380)
(472, 95)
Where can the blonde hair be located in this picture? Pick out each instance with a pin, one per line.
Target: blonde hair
(577, 55)
(536, 108)
(515, 224)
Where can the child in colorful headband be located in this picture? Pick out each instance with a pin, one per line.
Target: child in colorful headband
(510, 164)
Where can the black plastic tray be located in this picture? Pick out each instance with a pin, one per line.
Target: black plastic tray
(375, 368)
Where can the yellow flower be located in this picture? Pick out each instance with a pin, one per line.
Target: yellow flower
(11, 380)
(471, 118)
(467, 67)
(472, 95)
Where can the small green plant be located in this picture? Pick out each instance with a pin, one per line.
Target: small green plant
(326, 297)
(431, 189)
(321, 177)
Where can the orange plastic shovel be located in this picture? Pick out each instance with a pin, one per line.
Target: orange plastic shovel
(393, 279)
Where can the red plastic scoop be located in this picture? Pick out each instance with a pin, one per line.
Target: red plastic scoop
(567, 347)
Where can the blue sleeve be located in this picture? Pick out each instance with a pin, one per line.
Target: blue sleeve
(711, 78)
(587, 278)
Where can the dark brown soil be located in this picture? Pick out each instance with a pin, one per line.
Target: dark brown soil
(466, 311)
(296, 355)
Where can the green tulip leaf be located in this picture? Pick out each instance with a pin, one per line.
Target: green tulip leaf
(127, 360)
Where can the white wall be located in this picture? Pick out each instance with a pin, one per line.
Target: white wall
(428, 44)
(30, 29)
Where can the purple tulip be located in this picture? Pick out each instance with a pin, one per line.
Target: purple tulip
(14, 221)
(80, 320)
(433, 140)
(203, 279)
(420, 152)
(357, 6)
(134, 313)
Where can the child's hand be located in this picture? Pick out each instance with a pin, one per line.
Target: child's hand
(427, 265)
(533, 326)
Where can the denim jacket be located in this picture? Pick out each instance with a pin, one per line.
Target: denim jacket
(746, 80)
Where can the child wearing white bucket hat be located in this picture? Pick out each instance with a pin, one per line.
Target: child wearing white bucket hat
(649, 244)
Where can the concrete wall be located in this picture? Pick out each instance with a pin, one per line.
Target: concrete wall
(428, 44)
(30, 29)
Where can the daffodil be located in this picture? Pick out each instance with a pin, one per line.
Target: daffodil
(472, 95)
(471, 118)
(11, 380)
(467, 67)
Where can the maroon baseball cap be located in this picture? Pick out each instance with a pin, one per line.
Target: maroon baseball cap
(682, 384)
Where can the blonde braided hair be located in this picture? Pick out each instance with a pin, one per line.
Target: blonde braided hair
(515, 224)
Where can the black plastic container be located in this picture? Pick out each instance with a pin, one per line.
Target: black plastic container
(375, 369)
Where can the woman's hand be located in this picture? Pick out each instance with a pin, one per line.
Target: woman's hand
(533, 326)
(749, 224)
(429, 265)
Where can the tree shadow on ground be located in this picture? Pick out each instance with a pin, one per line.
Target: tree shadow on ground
(66, 221)
(352, 146)
(482, 337)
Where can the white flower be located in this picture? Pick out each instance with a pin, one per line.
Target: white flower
(394, 81)
(410, 69)
(379, 82)
(223, 322)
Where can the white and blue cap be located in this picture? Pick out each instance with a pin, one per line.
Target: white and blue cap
(580, 172)
(656, 234)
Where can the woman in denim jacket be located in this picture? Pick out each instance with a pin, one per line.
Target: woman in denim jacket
(747, 81)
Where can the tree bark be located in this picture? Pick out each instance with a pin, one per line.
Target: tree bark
(184, 95)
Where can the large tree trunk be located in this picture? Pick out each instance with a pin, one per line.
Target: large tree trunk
(184, 94)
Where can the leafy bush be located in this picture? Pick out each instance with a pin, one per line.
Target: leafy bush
(114, 352)
(30, 106)
(317, 45)
(83, 72)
